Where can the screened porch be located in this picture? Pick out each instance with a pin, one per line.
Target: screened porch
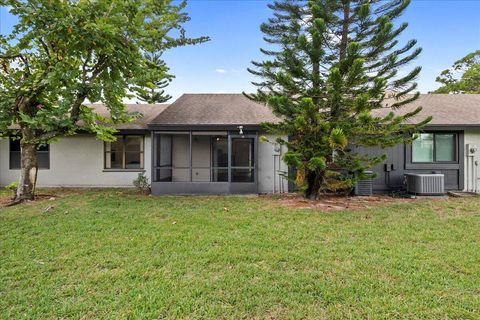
(204, 162)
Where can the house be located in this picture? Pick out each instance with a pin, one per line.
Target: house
(442, 147)
(201, 143)
(210, 144)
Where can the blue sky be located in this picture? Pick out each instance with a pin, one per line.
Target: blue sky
(446, 30)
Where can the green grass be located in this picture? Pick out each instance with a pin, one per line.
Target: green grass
(115, 255)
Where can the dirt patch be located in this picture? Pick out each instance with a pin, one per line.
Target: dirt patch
(6, 201)
(339, 203)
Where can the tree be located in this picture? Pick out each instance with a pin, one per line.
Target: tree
(154, 92)
(462, 77)
(63, 53)
(330, 66)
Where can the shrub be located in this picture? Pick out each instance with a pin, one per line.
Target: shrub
(13, 188)
(142, 183)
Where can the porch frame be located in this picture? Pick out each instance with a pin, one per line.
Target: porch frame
(207, 187)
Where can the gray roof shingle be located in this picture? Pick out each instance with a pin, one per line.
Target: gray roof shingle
(149, 111)
(446, 109)
(215, 109)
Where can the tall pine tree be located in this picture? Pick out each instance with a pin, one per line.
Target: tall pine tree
(330, 65)
(153, 91)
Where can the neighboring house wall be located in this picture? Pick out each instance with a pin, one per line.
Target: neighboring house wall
(76, 161)
(472, 168)
(390, 175)
(269, 162)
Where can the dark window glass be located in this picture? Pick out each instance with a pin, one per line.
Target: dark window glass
(242, 152)
(163, 175)
(124, 153)
(243, 161)
(242, 175)
(220, 175)
(43, 155)
(220, 151)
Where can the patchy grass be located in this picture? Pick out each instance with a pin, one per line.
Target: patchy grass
(112, 254)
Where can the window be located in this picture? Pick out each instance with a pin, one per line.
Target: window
(125, 153)
(43, 156)
(435, 147)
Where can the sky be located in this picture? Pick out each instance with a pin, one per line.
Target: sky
(446, 30)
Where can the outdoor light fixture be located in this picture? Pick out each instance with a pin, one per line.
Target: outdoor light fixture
(240, 129)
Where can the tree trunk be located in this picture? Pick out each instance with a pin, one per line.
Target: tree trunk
(314, 180)
(28, 172)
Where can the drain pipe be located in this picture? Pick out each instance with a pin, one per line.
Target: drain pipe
(468, 173)
(273, 173)
(475, 176)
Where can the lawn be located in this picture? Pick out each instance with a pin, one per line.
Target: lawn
(113, 255)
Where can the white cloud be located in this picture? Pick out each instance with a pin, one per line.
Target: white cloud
(231, 70)
(221, 70)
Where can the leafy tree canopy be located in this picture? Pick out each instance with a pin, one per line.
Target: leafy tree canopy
(62, 53)
(462, 77)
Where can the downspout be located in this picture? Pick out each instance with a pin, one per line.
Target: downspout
(274, 165)
(475, 181)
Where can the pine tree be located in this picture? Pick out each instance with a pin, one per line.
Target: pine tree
(153, 92)
(330, 65)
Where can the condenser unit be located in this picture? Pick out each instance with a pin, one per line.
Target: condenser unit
(425, 184)
(364, 187)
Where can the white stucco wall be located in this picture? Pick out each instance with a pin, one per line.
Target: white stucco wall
(472, 172)
(78, 162)
(75, 161)
(267, 170)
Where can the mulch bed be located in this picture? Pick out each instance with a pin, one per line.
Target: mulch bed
(339, 203)
(6, 201)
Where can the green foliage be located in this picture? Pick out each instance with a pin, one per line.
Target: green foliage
(63, 53)
(330, 66)
(153, 91)
(462, 77)
(112, 254)
(12, 187)
(141, 183)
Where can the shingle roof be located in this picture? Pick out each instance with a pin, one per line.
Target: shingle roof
(149, 111)
(446, 109)
(215, 109)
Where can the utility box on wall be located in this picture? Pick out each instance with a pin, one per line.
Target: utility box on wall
(471, 150)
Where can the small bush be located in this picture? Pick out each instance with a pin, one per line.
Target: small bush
(13, 188)
(142, 184)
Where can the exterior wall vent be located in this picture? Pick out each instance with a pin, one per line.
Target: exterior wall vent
(425, 184)
(364, 187)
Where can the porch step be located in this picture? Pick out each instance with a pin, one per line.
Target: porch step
(461, 194)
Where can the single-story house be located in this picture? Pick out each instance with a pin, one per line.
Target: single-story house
(201, 143)
(210, 143)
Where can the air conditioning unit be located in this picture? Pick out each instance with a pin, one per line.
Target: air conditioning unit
(364, 187)
(425, 184)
